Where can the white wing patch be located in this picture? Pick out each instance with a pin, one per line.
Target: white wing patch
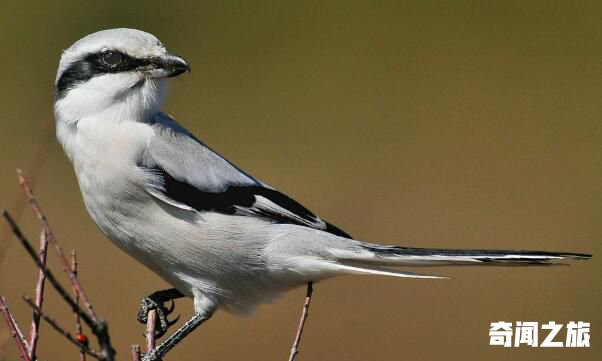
(263, 206)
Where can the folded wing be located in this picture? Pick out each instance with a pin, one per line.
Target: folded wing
(184, 172)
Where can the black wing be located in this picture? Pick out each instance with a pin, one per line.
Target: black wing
(249, 200)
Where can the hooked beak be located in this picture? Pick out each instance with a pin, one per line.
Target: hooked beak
(168, 66)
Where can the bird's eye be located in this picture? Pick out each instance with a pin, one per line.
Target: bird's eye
(111, 58)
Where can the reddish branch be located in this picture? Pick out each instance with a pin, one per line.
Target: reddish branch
(19, 332)
(150, 330)
(35, 323)
(98, 327)
(151, 324)
(78, 324)
(304, 315)
(15, 330)
(62, 332)
(49, 275)
(59, 251)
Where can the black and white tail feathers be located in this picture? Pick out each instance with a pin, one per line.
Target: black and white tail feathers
(377, 256)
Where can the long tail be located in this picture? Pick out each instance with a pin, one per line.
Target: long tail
(371, 258)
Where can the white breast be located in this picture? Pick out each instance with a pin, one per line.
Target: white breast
(104, 155)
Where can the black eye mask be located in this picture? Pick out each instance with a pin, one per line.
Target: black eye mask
(95, 64)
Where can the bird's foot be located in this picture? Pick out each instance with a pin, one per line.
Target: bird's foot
(169, 343)
(158, 304)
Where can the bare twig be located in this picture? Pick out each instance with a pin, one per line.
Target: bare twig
(59, 251)
(304, 315)
(35, 323)
(150, 330)
(62, 331)
(19, 332)
(98, 327)
(14, 328)
(49, 275)
(78, 324)
(151, 342)
(136, 353)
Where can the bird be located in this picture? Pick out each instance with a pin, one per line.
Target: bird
(214, 232)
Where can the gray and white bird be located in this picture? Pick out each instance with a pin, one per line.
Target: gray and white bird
(214, 232)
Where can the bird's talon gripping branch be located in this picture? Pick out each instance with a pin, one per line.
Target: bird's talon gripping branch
(156, 301)
(146, 306)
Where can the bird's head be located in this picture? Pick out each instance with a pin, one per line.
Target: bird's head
(117, 72)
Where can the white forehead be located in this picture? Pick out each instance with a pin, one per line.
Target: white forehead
(135, 43)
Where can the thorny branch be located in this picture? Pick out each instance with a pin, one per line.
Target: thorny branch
(49, 275)
(62, 331)
(35, 323)
(98, 327)
(78, 324)
(15, 330)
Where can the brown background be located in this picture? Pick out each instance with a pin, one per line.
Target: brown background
(435, 124)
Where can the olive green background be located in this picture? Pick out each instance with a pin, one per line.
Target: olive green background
(423, 123)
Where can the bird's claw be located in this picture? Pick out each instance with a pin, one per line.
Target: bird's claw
(163, 323)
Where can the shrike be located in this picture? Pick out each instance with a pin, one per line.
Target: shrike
(213, 231)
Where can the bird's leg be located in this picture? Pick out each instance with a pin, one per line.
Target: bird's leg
(176, 337)
(156, 301)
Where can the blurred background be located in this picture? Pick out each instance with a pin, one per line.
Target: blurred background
(423, 123)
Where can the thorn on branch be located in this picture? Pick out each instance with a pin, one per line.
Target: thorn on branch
(15, 330)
